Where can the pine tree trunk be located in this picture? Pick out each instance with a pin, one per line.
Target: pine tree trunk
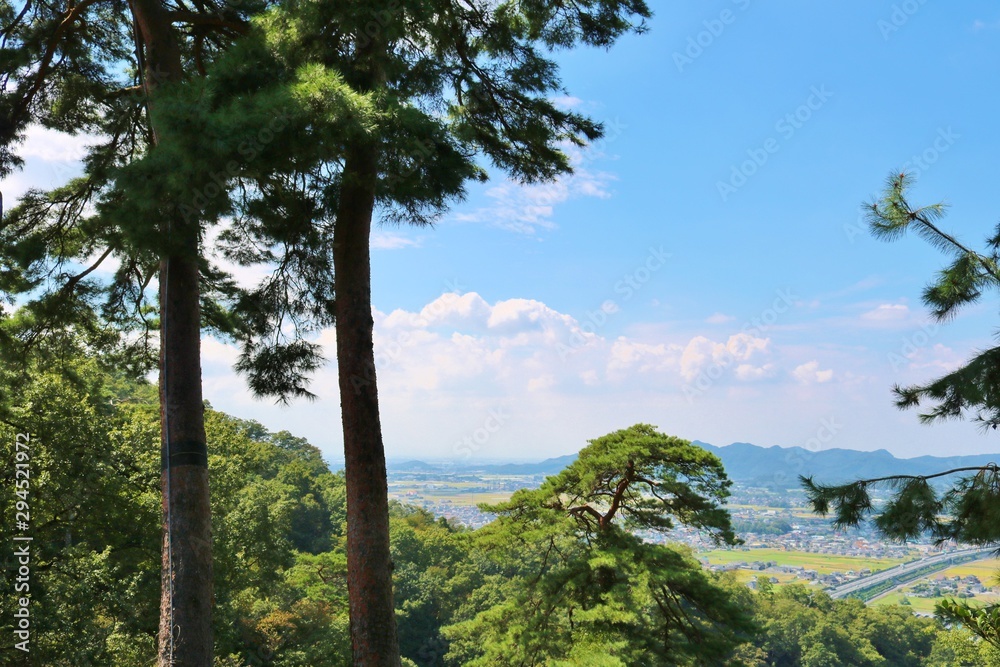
(186, 594)
(185, 638)
(369, 564)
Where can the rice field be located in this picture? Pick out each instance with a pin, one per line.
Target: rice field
(822, 563)
(921, 605)
(986, 570)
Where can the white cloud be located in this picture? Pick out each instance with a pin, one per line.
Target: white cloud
(567, 101)
(53, 146)
(936, 359)
(702, 355)
(541, 383)
(460, 342)
(809, 373)
(749, 373)
(382, 240)
(444, 366)
(887, 312)
(529, 208)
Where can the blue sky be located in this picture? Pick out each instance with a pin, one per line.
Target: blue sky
(705, 269)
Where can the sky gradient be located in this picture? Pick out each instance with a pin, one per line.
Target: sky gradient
(705, 268)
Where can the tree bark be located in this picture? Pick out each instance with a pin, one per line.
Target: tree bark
(369, 563)
(186, 595)
(185, 638)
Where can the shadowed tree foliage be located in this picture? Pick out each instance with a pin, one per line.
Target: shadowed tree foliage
(98, 67)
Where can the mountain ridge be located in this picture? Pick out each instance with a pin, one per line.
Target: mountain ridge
(754, 465)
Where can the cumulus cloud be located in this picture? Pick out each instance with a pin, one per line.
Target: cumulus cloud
(443, 366)
(810, 373)
(462, 343)
(887, 313)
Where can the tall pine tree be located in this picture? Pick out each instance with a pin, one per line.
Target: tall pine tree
(325, 117)
(97, 67)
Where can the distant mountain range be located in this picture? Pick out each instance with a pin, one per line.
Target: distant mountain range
(777, 467)
(781, 466)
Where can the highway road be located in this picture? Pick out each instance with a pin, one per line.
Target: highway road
(901, 571)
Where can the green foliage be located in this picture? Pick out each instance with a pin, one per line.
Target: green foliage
(255, 143)
(802, 626)
(960, 648)
(95, 507)
(641, 478)
(974, 389)
(983, 621)
(572, 585)
(91, 587)
(968, 511)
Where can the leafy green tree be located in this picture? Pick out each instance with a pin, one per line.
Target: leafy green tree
(93, 590)
(401, 100)
(801, 626)
(94, 503)
(957, 647)
(100, 66)
(576, 586)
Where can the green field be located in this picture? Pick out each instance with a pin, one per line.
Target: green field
(926, 605)
(917, 605)
(822, 563)
(746, 576)
(452, 492)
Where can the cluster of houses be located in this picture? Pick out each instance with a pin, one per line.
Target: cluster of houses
(959, 587)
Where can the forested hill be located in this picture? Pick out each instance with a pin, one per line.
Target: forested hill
(775, 466)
